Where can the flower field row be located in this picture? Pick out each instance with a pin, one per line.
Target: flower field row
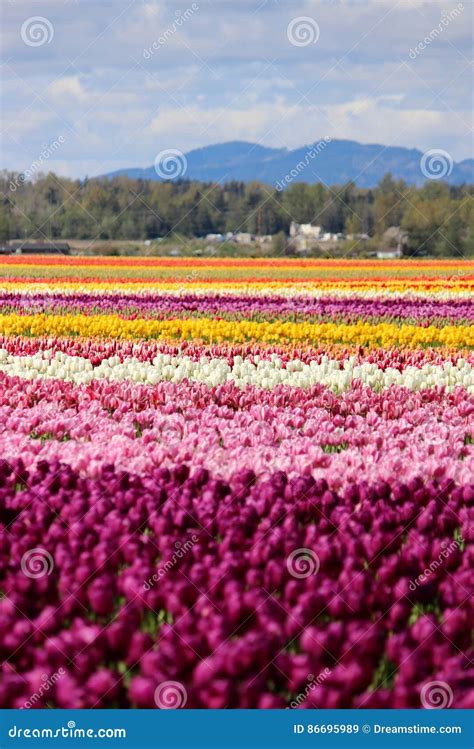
(218, 330)
(264, 373)
(242, 307)
(221, 491)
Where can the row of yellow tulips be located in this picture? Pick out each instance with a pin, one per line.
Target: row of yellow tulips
(217, 331)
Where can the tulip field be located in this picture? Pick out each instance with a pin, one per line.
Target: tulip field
(230, 483)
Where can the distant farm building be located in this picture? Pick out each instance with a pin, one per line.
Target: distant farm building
(214, 238)
(305, 230)
(303, 236)
(394, 243)
(243, 237)
(389, 254)
(40, 248)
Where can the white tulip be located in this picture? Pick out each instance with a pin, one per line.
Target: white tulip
(266, 373)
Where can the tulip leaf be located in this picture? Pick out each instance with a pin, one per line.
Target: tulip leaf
(420, 609)
(334, 448)
(384, 674)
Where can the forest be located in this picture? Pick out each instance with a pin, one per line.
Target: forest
(437, 216)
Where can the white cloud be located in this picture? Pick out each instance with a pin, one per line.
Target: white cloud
(67, 88)
(230, 72)
(368, 120)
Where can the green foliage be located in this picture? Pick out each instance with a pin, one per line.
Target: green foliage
(439, 219)
(334, 448)
(384, 674)
(279, 243)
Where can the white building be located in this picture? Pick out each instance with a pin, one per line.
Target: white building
(305, 230)
(243, 237)
(390, 254)
(214, 237)
(394, 243)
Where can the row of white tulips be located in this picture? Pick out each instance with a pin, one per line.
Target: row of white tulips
(288, 291)
(265, 373)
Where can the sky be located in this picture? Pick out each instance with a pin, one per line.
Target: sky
(91, 86)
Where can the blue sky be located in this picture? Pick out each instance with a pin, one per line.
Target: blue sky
(120, 80)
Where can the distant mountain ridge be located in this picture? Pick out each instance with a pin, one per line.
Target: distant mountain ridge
(329, 161)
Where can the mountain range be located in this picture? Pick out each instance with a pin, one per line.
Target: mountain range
(328, 161)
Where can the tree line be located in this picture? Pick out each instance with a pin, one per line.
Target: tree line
(438, 218)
